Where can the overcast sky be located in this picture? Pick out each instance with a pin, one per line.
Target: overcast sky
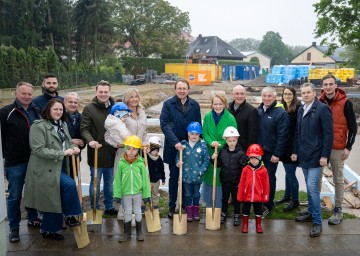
(294, 20)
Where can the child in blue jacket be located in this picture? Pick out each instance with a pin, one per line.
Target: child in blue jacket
(195, 163)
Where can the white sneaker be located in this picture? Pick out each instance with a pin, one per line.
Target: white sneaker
(120, 215)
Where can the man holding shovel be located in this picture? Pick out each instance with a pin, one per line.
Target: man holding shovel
(92, 130)
(177, 113)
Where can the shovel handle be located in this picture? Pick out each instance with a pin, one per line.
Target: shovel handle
(95, 181)
(79, 178)
(180, 181)
(214, 180)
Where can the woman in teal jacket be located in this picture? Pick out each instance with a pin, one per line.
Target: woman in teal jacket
(215, 122)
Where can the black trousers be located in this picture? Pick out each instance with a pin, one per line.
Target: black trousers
(227, 189)
(257, 208)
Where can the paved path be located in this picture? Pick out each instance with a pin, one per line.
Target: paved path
(280, 237)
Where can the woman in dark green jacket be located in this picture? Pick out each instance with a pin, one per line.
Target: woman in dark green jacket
(215, 122)
(48, 186)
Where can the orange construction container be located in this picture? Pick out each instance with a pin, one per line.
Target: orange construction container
(198, 77)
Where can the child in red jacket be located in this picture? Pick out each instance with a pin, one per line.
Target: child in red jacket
(254, 187)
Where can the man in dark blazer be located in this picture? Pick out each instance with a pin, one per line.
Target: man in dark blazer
(176, 114)
(312, 149)
(246, 116)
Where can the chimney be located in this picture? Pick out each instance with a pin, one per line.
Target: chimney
(314, 44)
(200, 36)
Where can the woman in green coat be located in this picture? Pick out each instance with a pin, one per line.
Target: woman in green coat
(215, 122)
(48, 186)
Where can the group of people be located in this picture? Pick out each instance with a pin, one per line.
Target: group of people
(309, 135)
(38, 138)
(40, 135)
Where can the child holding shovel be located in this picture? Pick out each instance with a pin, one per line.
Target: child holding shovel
(254, 187)
(195, 164)
(131, 184)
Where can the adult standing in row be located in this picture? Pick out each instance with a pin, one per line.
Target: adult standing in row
(177, 113)
(93, 131)
(215, 123)
(136, 122)
(345, 129)
(291, 195)
(273, 135)
(73, 118)
(246, 117)
(49, 86)
(313, 140)
(16, 119)
(48, 186)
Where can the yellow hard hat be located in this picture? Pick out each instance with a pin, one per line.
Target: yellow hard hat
(133, 141)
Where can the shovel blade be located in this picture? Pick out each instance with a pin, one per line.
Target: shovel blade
(180, 224)
(213, 218)
(94, 223)
(152, 220)
(81, 235)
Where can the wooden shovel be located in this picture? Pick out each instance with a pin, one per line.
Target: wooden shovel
(180, 220)
(79, 188)
(213, 214)
(152, 216)
(80, 232)
(94, 216)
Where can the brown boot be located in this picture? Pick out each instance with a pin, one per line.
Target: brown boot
(258, 224)
(127, 232)
(245, 225)
(139, 234)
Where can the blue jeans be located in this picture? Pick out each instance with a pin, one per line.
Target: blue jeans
(173, 184)
(16, 179)
(291, 182)
(108, 177)
(192, 194)
(271, 168)
(70, 205)
(312, 180)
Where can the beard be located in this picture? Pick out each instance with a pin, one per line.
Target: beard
(51, 91)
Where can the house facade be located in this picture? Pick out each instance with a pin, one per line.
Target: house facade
(315, 55)
(264, 60)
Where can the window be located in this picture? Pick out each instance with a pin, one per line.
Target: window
(229, 51)
(308, 56)
(208, 50)
(197, 50)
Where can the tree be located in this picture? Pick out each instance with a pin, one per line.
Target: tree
(151, 26)
(339, 21)
(247, 44)
(273, 46)
(94, 30)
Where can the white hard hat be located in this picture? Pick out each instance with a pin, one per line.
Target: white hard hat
(156, 140)
(230, 132)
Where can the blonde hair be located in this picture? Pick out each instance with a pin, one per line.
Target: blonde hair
(127, 96)
(220, 96)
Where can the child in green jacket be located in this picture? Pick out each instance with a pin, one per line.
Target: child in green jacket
(132, 185)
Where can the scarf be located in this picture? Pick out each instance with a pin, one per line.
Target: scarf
(130, 161)
(217, 117)
(59, 129)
